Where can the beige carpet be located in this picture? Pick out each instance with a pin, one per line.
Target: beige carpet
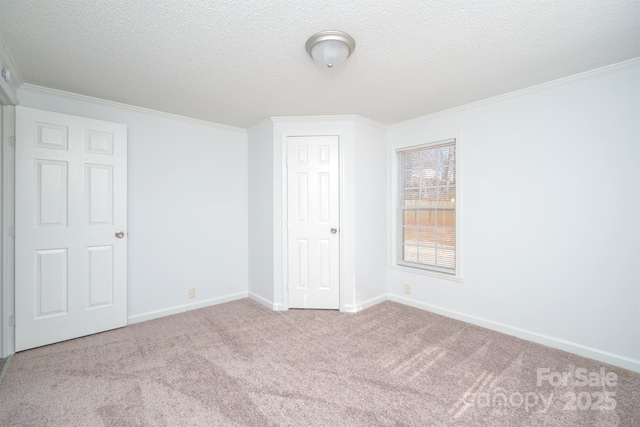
(240, 364)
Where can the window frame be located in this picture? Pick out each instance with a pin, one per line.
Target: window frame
(396, 208)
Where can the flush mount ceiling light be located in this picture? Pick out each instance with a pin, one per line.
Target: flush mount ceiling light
(330, 48)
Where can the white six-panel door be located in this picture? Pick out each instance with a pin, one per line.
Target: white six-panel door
(71, 195)
(313, 222)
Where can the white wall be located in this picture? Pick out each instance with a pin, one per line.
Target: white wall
(371, 219)
(187, 192)
(8, 90)
(551, 232)
(261, 237)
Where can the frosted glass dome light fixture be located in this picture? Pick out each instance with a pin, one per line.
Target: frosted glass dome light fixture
(330, 48)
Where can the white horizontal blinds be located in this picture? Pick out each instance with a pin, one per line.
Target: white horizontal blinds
(427, 208)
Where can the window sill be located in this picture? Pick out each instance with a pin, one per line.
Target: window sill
(429, 273)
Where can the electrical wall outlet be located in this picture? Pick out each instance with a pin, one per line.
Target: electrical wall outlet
(407, 289)
(192, 292)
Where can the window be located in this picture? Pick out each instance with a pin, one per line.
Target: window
(427, 200)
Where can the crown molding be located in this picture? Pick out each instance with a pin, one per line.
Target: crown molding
(77, 97)
(518, 93)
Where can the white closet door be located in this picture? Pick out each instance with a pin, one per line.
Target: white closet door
(313, 222)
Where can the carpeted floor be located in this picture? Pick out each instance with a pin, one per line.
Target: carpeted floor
(240, 364)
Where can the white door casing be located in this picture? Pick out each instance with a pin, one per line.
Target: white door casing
(313, 242)
(7, 298)
(71, 199)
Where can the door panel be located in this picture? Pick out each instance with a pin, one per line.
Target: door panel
(100, 276)
(99, 194)
(51, 193)
(71, 194)
(312, 213)
(51, 274)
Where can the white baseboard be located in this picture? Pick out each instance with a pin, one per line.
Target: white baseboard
(5, 367)
(571, 347)
(257, 298)
(185, 307)
(269, 304)
(354, 308)
(347, 308)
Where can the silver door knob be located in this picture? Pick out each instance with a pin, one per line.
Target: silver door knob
(334, 230)
(119, 234)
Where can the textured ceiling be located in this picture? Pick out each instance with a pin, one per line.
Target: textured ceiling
(238, 62)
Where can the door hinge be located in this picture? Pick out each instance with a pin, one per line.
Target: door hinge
(12, 321)
(12, 141)
(12, 231)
